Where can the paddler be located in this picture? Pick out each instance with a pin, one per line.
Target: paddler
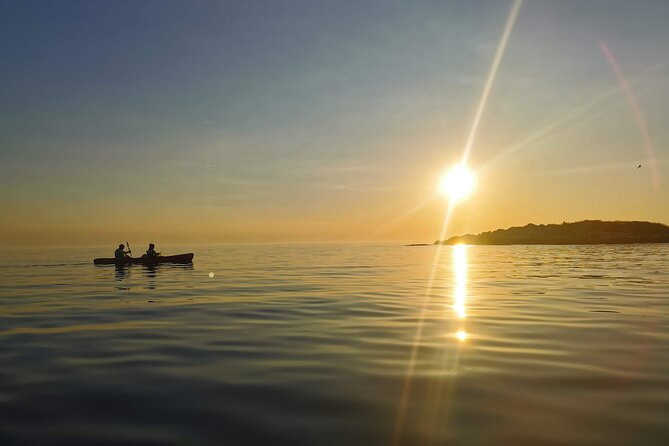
(120, 253)
(151, 252)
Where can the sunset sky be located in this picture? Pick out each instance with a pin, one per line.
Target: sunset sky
(197, 122)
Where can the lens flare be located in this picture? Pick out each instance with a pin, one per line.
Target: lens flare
(636, 111)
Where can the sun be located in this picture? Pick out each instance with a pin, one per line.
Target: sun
(458, 183)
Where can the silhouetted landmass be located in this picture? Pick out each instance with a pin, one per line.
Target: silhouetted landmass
(587, 232)
(418, 244)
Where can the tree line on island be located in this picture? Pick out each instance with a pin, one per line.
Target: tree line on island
(587, 232)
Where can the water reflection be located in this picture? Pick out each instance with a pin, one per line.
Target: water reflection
(460, 293)
(120, 272)
(145, 276)
(121, 276)
(150, 273)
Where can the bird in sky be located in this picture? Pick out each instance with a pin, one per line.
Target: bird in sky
(639, 167)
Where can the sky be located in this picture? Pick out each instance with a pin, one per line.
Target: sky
(310, 121)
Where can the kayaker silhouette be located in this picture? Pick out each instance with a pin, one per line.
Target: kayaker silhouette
(120, 253)
(151, 252)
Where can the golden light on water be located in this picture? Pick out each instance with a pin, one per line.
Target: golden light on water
(458, 183)
(460, 272)
(460, 291)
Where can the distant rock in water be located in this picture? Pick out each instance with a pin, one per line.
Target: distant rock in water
(587, 232)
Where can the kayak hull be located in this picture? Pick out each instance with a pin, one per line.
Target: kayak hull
(179, 258)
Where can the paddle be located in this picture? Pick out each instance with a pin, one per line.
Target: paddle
(129, 250)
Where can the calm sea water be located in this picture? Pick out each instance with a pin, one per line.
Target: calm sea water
(338, 345)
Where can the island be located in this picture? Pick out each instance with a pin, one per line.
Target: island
(587, 232)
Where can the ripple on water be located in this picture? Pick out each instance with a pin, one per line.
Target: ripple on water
(311, 344)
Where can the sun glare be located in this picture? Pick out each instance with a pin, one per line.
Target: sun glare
(457, 184)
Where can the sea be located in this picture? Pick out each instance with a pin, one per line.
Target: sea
(337, 344)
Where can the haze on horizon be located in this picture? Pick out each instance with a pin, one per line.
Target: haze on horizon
(272, 121)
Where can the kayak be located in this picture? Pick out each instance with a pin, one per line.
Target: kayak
(179, 258)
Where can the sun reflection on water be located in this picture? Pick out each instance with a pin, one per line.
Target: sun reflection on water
(460, 294)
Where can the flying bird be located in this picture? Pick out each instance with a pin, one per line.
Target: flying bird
(639, 167)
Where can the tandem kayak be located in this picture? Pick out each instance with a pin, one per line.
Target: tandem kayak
(179, 258)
